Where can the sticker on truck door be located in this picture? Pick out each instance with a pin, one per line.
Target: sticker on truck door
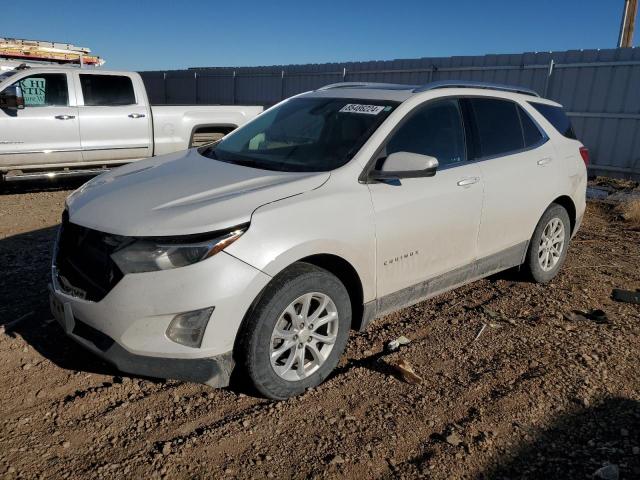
(33, 90)
(358, 108)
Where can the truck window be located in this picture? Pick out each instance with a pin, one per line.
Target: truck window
(107, 90)
(44, 90)
(5, 75)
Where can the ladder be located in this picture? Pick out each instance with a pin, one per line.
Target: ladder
(36, 50)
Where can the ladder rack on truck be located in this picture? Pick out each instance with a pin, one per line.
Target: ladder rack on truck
(36, 50)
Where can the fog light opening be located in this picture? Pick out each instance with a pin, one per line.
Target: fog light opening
(188, 328)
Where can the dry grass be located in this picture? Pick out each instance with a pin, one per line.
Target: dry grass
(631, 212)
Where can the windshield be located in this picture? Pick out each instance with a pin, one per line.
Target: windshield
(5, 75)
(303, 135)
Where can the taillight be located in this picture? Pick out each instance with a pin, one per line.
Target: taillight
(584, 153)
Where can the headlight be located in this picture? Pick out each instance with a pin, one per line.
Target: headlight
(150, 255)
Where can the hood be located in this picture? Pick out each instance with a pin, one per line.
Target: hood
(181, 194)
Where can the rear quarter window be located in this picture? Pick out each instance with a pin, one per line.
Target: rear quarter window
(530, 131)
(556, 117)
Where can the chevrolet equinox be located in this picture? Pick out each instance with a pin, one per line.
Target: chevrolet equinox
(261, 251)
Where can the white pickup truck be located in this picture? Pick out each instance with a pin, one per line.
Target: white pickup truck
(62, 121)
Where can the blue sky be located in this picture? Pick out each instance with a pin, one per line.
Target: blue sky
(153, 35)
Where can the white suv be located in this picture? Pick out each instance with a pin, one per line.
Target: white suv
(261, 251)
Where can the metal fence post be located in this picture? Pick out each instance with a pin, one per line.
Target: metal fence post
(282, 85)
(195, 80)
(164, 86)
(547, 81)
(233, 89)
(344, 74)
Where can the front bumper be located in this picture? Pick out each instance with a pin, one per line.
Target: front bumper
(128, 326)
(214, 371)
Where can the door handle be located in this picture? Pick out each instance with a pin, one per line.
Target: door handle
(65, 117)
(465, 182)
(136, 115)
(544, 161)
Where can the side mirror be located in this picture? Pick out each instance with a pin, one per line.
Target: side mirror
(11, 97)
(405, 165)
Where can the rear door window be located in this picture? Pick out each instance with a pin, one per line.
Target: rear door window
(498, 126)
(556, 117)
(107, 90)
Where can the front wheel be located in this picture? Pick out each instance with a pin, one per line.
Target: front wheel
(549, 244)
(295, 335)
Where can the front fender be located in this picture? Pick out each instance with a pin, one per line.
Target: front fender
(322, 221)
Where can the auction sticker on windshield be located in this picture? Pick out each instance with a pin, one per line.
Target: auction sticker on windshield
(366, 109)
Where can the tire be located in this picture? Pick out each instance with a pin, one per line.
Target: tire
(259, 341)
(543, 265)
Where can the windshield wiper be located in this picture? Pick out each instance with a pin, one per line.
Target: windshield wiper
(246, 161)
(251, 162)
(208, 152)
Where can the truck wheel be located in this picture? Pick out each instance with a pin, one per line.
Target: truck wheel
(549, 244)
(294, 337)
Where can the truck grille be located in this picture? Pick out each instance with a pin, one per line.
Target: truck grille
(84, 267)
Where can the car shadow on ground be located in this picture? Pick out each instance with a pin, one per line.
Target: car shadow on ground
(601, 441)
(25, 266)
(24, 302)
(592, 442)
(44, 185)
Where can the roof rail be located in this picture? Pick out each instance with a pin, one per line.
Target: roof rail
(473, 84)
(394, 86)
(343, 85)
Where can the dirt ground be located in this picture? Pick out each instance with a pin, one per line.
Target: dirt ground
(536, 395)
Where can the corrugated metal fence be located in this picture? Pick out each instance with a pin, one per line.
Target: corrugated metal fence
(599, 88)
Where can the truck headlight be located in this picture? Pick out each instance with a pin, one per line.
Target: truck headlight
(150, 255)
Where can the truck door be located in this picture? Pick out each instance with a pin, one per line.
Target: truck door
(46, 131)
(114, 119)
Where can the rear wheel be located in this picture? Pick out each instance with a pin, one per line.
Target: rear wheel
(548, 245)
(296, 333)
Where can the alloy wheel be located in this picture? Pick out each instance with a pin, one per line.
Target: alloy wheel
(551, 244)
(304, 336)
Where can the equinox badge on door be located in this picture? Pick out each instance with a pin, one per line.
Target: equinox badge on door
(404, 256)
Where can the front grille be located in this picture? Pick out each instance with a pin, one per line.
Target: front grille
(83, 261)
